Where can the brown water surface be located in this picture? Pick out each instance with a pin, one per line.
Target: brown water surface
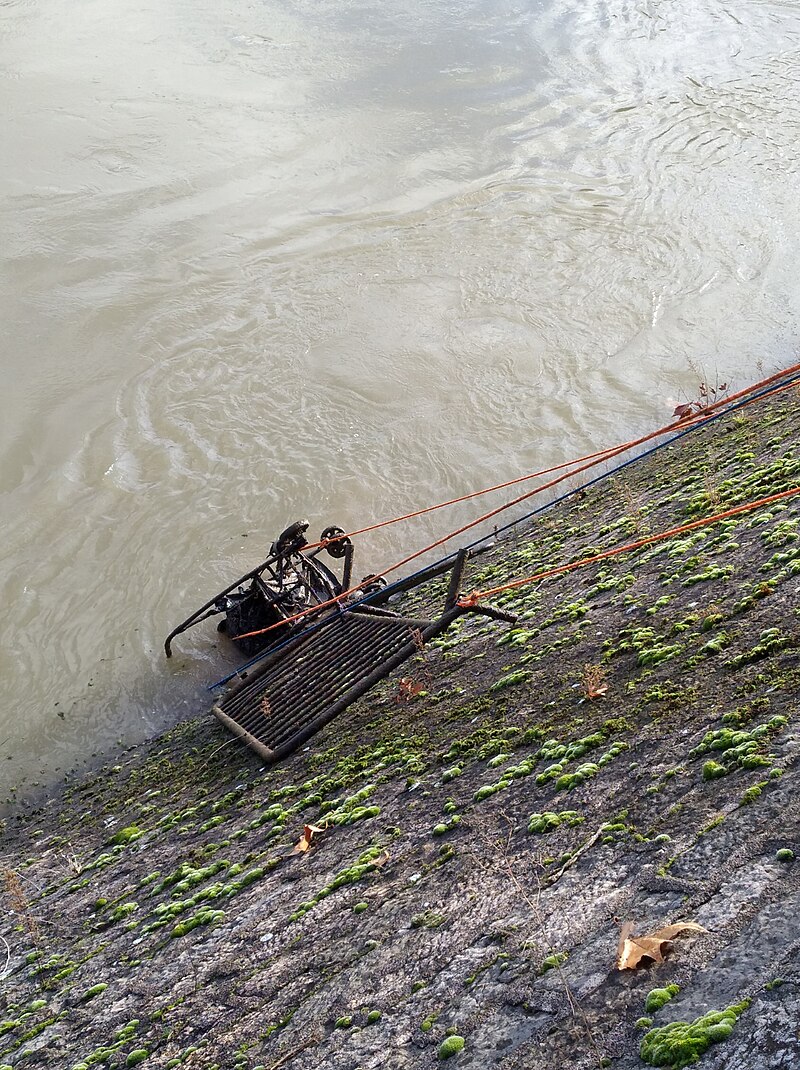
(341, 260)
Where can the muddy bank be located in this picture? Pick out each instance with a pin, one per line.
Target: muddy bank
(628, 751)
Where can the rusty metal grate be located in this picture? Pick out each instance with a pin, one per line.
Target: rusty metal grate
(292, 695)
(304, 684)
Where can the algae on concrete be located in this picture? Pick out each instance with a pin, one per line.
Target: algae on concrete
(172, 879)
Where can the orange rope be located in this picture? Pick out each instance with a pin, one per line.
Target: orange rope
(477, 596)
(592, 459)
(600, 454)
(597, 457)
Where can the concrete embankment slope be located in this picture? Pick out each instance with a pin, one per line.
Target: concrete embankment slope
(493, 814)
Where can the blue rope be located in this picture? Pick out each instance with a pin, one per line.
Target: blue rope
(514, 523)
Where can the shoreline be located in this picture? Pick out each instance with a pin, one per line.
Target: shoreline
(627, 751)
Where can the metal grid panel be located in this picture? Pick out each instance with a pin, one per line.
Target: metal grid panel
(309, 682)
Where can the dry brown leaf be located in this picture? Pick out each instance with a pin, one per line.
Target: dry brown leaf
(593, 683)
(407, 689)
(636, 948)
(632, 949)
(309, 832)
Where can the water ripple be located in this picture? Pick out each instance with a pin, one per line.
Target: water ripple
(343, 262)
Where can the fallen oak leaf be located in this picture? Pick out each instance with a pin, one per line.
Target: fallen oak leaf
(304, 842)
(632, 949)
(637, 948)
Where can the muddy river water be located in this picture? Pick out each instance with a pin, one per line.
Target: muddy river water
(261, 259)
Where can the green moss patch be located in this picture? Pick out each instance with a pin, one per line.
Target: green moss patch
(680, 1044)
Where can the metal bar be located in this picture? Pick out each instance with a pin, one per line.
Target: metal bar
(455, 579)
(347, 570)
(311, 681)
(288, 647)
(324, 645)
(193, 619)
(407, 584)
(346, 700)
(246, 737)
(321, 662)
(386, 614)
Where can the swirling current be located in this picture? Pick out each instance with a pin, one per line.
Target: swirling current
(263, 259)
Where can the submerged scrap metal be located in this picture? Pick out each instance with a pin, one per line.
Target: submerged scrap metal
(324, 644)
(292, 580)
